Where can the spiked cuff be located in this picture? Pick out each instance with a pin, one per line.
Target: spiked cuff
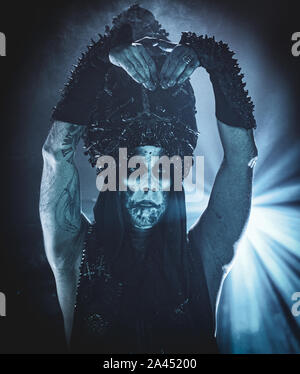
(233, 105)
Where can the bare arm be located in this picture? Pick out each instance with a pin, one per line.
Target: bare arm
(60, 213)
(61, 218)
(222, 223)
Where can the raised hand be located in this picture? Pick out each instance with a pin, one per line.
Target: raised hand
(178, 67)
(180, 63)
(137, 62)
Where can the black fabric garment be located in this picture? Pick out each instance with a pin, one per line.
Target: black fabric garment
(128, 306)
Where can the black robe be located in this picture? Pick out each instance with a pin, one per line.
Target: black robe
(160, 305)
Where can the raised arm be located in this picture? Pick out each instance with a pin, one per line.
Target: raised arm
(222, 224)
(62, 224)
(60, 194)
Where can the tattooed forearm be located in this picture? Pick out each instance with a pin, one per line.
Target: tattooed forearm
(70, 142)
(60, 209)
(59, 148)
(47, 184)
(66, 210)
(62, 141)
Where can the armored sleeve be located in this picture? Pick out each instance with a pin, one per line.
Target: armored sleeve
(233, 105)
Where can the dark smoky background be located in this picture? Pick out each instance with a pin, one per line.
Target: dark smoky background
(44, 39)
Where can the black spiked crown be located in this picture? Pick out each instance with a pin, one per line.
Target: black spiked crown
(128, 115)
(118, 112)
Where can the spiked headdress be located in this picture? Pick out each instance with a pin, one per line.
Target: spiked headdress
(119, 112)
(128, 115)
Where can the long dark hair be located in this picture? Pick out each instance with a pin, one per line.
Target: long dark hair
(168, 242)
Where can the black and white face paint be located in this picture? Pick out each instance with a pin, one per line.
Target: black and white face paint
(146, 199)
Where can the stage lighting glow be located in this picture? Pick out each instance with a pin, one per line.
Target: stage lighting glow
(255, 309)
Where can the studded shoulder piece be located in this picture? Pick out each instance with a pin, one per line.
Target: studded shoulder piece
(86, 79)
(233, 105)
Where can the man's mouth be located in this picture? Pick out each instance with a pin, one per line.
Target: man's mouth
(146, 204)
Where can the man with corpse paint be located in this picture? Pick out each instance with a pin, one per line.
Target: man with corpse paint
(134, 280)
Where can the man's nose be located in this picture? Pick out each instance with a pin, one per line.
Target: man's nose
(149, 182)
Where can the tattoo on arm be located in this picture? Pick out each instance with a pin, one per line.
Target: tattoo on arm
(70, 141)
(67, 210)
(47, 185)
(60, 190)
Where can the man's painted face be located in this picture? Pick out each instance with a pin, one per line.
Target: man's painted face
(147, 203)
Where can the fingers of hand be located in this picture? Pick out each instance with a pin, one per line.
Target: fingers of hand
(131, 70)
(137, 62)
(150, 65)
(181, 65)
(164, 71)
(140, 66)
(173, 67)
(174, 72)
(186, 74)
